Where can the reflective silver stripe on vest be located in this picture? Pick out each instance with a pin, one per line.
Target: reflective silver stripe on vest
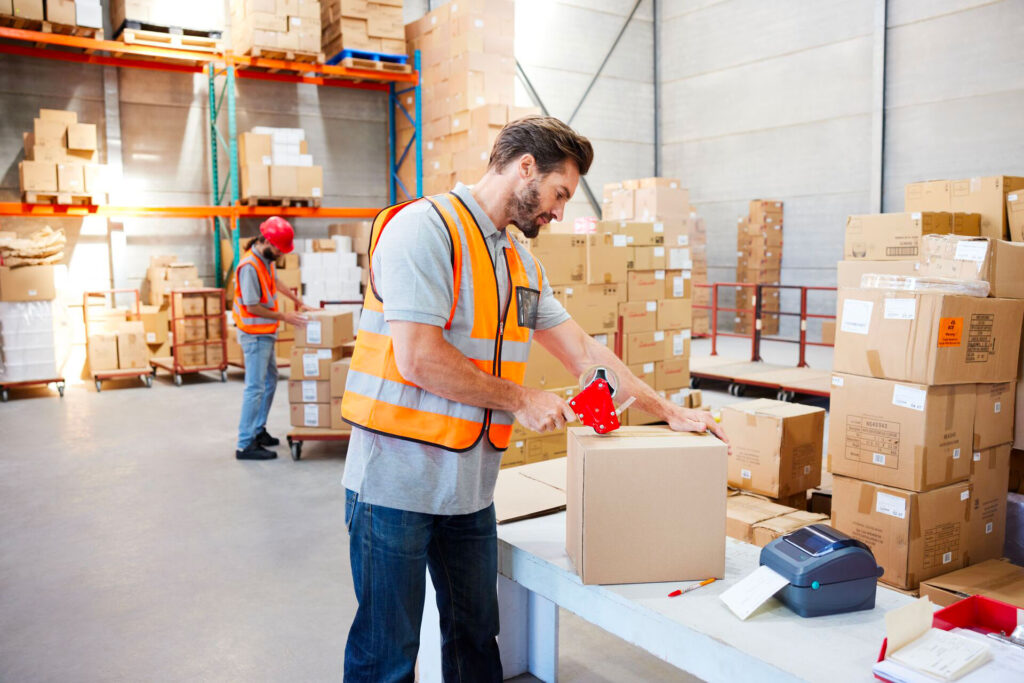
(407, 396)
(481, 349)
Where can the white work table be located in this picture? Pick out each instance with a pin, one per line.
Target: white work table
(695, 632)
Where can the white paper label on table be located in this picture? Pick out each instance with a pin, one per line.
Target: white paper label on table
(908, 397)
(971, 251)
(314, 332)
(309, 391)
(310, 364)
(753, 591)
(311, 414)
(900, 309)
(891, 505)
(856, 316)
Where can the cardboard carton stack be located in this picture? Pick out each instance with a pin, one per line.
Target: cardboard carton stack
(664, 200)
(319, 370)
(275, 163)
(60, 159)
(754, 519)
(329, 271)
(363, 26)
(269, 27)
(197, 15)
(468, 77)
(165, 273)
(776, 449)
(759, 261)
(359, 233)
(27, 342)
(987, 197)
(920, 431)
(116, 341)
(200, 329)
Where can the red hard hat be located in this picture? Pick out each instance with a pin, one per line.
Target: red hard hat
(279, 233)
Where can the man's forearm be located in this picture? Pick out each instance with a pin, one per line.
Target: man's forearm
(264, 312)
(287, 291)
(647, 399)
(446, 372)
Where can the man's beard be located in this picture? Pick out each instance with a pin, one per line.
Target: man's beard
(522, 209)
(269, 255)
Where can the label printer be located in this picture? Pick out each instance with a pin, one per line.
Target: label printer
(828, 572)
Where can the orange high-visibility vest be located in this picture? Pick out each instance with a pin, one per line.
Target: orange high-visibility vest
(246, 320)
(379, 399)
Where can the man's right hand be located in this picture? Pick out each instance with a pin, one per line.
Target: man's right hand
(542, 411)
(296, 319)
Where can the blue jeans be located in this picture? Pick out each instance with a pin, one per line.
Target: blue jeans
(390, 551)
(260, 385)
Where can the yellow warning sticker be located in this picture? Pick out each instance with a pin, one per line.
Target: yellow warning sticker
(951, 331)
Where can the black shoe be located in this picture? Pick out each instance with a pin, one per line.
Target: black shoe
(255, 452)
(265, 439)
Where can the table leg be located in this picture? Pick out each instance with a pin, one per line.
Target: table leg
(529, 632)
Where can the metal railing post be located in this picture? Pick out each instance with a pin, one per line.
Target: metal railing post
(714, 319)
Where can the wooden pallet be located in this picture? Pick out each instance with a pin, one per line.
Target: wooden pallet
(66, 198)
(181, 41)
(287, 55)
(281, 201)
(373, 65)
(50, 27)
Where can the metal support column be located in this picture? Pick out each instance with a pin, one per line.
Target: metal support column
(415, 143)
(878, 107)
(229, 190)
(656, 73)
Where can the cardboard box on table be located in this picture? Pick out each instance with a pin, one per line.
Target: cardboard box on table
(910, 436)
(775, 446)
(995, 579)
(633, 494)
(913, 536)
(744, 511)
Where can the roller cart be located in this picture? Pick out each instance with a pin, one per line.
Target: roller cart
(181, 362)
(4, 386)
(298, 435)
(99, 375)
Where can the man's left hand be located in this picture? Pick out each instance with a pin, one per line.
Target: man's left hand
(690, 420)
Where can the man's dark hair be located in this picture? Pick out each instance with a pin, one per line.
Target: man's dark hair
(550, 141)
(254, 240)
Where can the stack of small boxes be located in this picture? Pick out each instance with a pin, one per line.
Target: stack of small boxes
(275, 163)
(468, 77)
(374, 26)
(319, 368)
(165, 273)
(359, 233)
(759, 261)
(269, 27)
(116, 341)
(329, 271)
(27, 342)
(84, 13)
(922, 392)
(196, 15)
(197, 319)
(60, 160)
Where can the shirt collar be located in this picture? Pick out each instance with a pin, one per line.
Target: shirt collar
(257, 254)
(482, 219)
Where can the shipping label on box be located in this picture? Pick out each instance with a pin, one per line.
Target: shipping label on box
(913, 536)
(630, 497)
(775, 446)
(910, 436)
(927, 338)
(311, 415)
(309, 391)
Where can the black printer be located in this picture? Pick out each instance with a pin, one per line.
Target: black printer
(828, 572)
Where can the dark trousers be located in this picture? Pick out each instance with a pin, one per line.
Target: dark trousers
(390, 551)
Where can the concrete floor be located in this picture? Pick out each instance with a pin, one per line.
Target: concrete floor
(133, 546)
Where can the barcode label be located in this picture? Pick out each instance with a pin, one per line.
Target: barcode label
(878, 458)
(310, 364)
(309, 391)
(311, 417)
(314, 332)
(745, 474)
(956, 453)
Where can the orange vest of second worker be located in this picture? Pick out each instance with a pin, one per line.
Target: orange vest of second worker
(379, 399)
(246, 320)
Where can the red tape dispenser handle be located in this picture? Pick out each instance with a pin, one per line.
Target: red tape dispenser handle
(593, 405)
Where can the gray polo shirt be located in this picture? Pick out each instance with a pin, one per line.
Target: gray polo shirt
(412, 271)
(251, 289)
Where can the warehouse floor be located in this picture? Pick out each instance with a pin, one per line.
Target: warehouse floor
(134, 547)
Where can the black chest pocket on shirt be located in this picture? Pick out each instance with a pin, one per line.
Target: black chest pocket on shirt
(527, 300)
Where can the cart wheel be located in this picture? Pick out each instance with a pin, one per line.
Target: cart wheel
(60, 389)
(99, 386)
(780, 395)
(153, 371)
(296, 449)
(223, 375)
(741, 389)
(147, 379)
(695, 382)
(4, 396)
(177, 380)
(732, 389)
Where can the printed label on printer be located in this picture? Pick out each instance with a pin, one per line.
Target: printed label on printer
(894, 506)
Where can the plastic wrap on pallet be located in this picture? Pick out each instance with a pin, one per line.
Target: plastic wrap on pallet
(27, 342)
(925, 285)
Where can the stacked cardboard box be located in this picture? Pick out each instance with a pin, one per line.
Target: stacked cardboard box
(197, 15)
(920, 430)
(27, 342)
(468, 77)
(199, 327)
(266, 27)
(319, 369)
(156, 322)
(359, 233)
(275, 162)
(776, 448)
(363, 26)
(165, 273)
(759, 261)
(664, 200)
(987, 197)
(330, 271)
(60, 158)
(754, 519)
(116, 341)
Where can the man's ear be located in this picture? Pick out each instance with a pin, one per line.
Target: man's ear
(527, 166)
